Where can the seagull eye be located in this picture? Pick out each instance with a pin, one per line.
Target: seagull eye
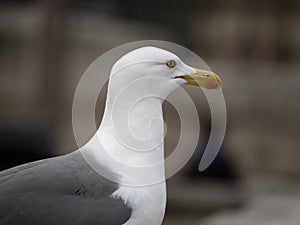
(171, 63)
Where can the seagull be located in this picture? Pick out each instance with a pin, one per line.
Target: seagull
(88, 186)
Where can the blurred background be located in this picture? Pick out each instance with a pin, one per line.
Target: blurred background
(253, 45)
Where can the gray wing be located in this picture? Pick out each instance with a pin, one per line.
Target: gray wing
(59, 191)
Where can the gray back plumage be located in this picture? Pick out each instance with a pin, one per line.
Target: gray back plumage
(59, 191)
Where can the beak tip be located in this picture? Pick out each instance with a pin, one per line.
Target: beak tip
(215, 83)
(219, 82)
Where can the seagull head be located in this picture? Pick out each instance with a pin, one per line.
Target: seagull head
(158, 71)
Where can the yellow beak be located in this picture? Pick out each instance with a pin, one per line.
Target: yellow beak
(203, 78)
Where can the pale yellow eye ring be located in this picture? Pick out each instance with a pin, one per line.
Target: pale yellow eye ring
(171, 63)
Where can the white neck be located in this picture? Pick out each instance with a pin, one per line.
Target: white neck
(145, 122)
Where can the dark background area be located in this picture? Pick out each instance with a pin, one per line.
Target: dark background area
(253, 45)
